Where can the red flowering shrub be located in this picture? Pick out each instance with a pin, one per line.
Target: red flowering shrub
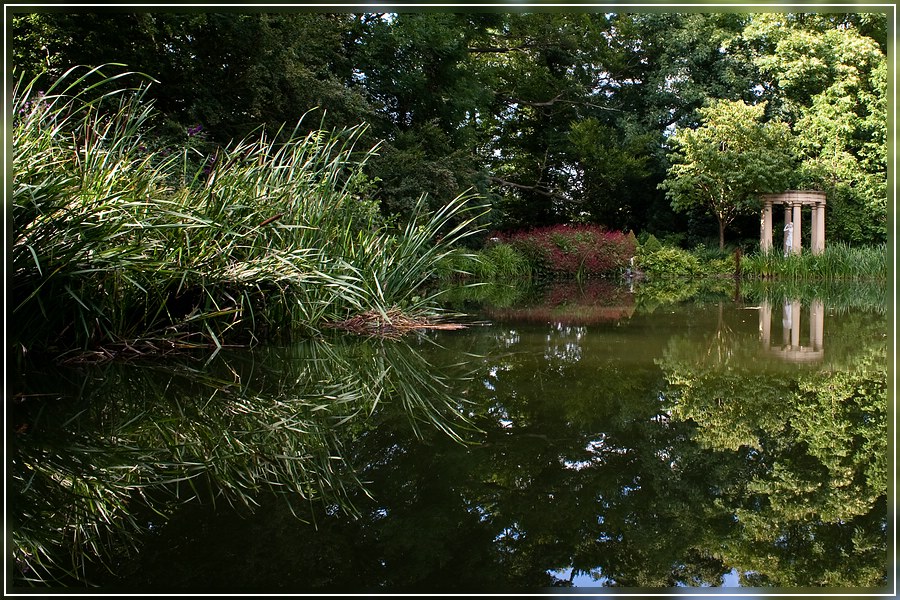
(570, 250)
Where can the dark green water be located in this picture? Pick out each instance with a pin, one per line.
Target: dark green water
(575, 438)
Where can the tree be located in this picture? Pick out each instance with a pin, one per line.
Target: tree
(611, 163)
(829, 80)
(230, 72)
(545, 73)
(415, 70)
(555, 116)
(726, 162)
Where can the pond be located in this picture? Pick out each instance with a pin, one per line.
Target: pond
(575, 437)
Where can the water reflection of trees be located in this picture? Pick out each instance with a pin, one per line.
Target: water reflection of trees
(620, 471)
(813, 442)
(591, 475)
(119, 447)
(562, 302)
(611, 466)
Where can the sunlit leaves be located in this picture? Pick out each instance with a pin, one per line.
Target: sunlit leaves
(829, 81)
(725, 163)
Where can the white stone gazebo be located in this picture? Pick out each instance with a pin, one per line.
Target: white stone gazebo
(794, 201)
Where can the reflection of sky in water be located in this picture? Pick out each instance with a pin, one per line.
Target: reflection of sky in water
(581, 579)
(598, 580)
(500, 413)
(598, 449)
(508, 338)
(564, 343)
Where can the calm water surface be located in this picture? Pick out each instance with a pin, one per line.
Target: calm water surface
(577, 437)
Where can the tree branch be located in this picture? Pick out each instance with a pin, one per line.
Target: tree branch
(500, 49)
(537, 189)
(557, 100)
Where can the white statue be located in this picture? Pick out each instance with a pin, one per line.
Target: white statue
(788, 238)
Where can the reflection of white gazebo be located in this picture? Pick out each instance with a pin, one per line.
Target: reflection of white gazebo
(794, 201)
(790, 349)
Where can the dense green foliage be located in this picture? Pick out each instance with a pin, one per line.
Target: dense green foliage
(832, 85)
(555, 116)
(669, 262)
(726, 162)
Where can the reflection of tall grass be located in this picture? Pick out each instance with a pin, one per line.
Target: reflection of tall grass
(838, 296)
(153, 437)
(497, 294)
(112, 243)
(838, 262)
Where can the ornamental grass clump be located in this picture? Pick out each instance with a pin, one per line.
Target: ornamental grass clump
(573, 250)
(838, 262)
(116, 247)
(495, 262)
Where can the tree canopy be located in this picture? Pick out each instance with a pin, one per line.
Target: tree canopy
(554, 116)
(723, 164)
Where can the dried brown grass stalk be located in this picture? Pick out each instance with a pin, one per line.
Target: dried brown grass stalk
(391, 324)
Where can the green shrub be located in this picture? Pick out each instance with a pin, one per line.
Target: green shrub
(506, 263)
(497, 262)
(669, 262)
(724, 265)
(676, 240)
(651, 245)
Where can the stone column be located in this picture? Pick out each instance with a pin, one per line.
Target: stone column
(786, 324)
(820, 226)
(796, 221)
(814, 228)
(765, 232)
(816, 324)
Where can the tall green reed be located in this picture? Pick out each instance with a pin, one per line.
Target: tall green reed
(115, 244)
(839, 261)
(841, 297)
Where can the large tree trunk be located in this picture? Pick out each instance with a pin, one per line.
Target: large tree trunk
(721, 233)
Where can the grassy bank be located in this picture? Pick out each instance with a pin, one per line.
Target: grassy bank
(655, 262)
(122, 248)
